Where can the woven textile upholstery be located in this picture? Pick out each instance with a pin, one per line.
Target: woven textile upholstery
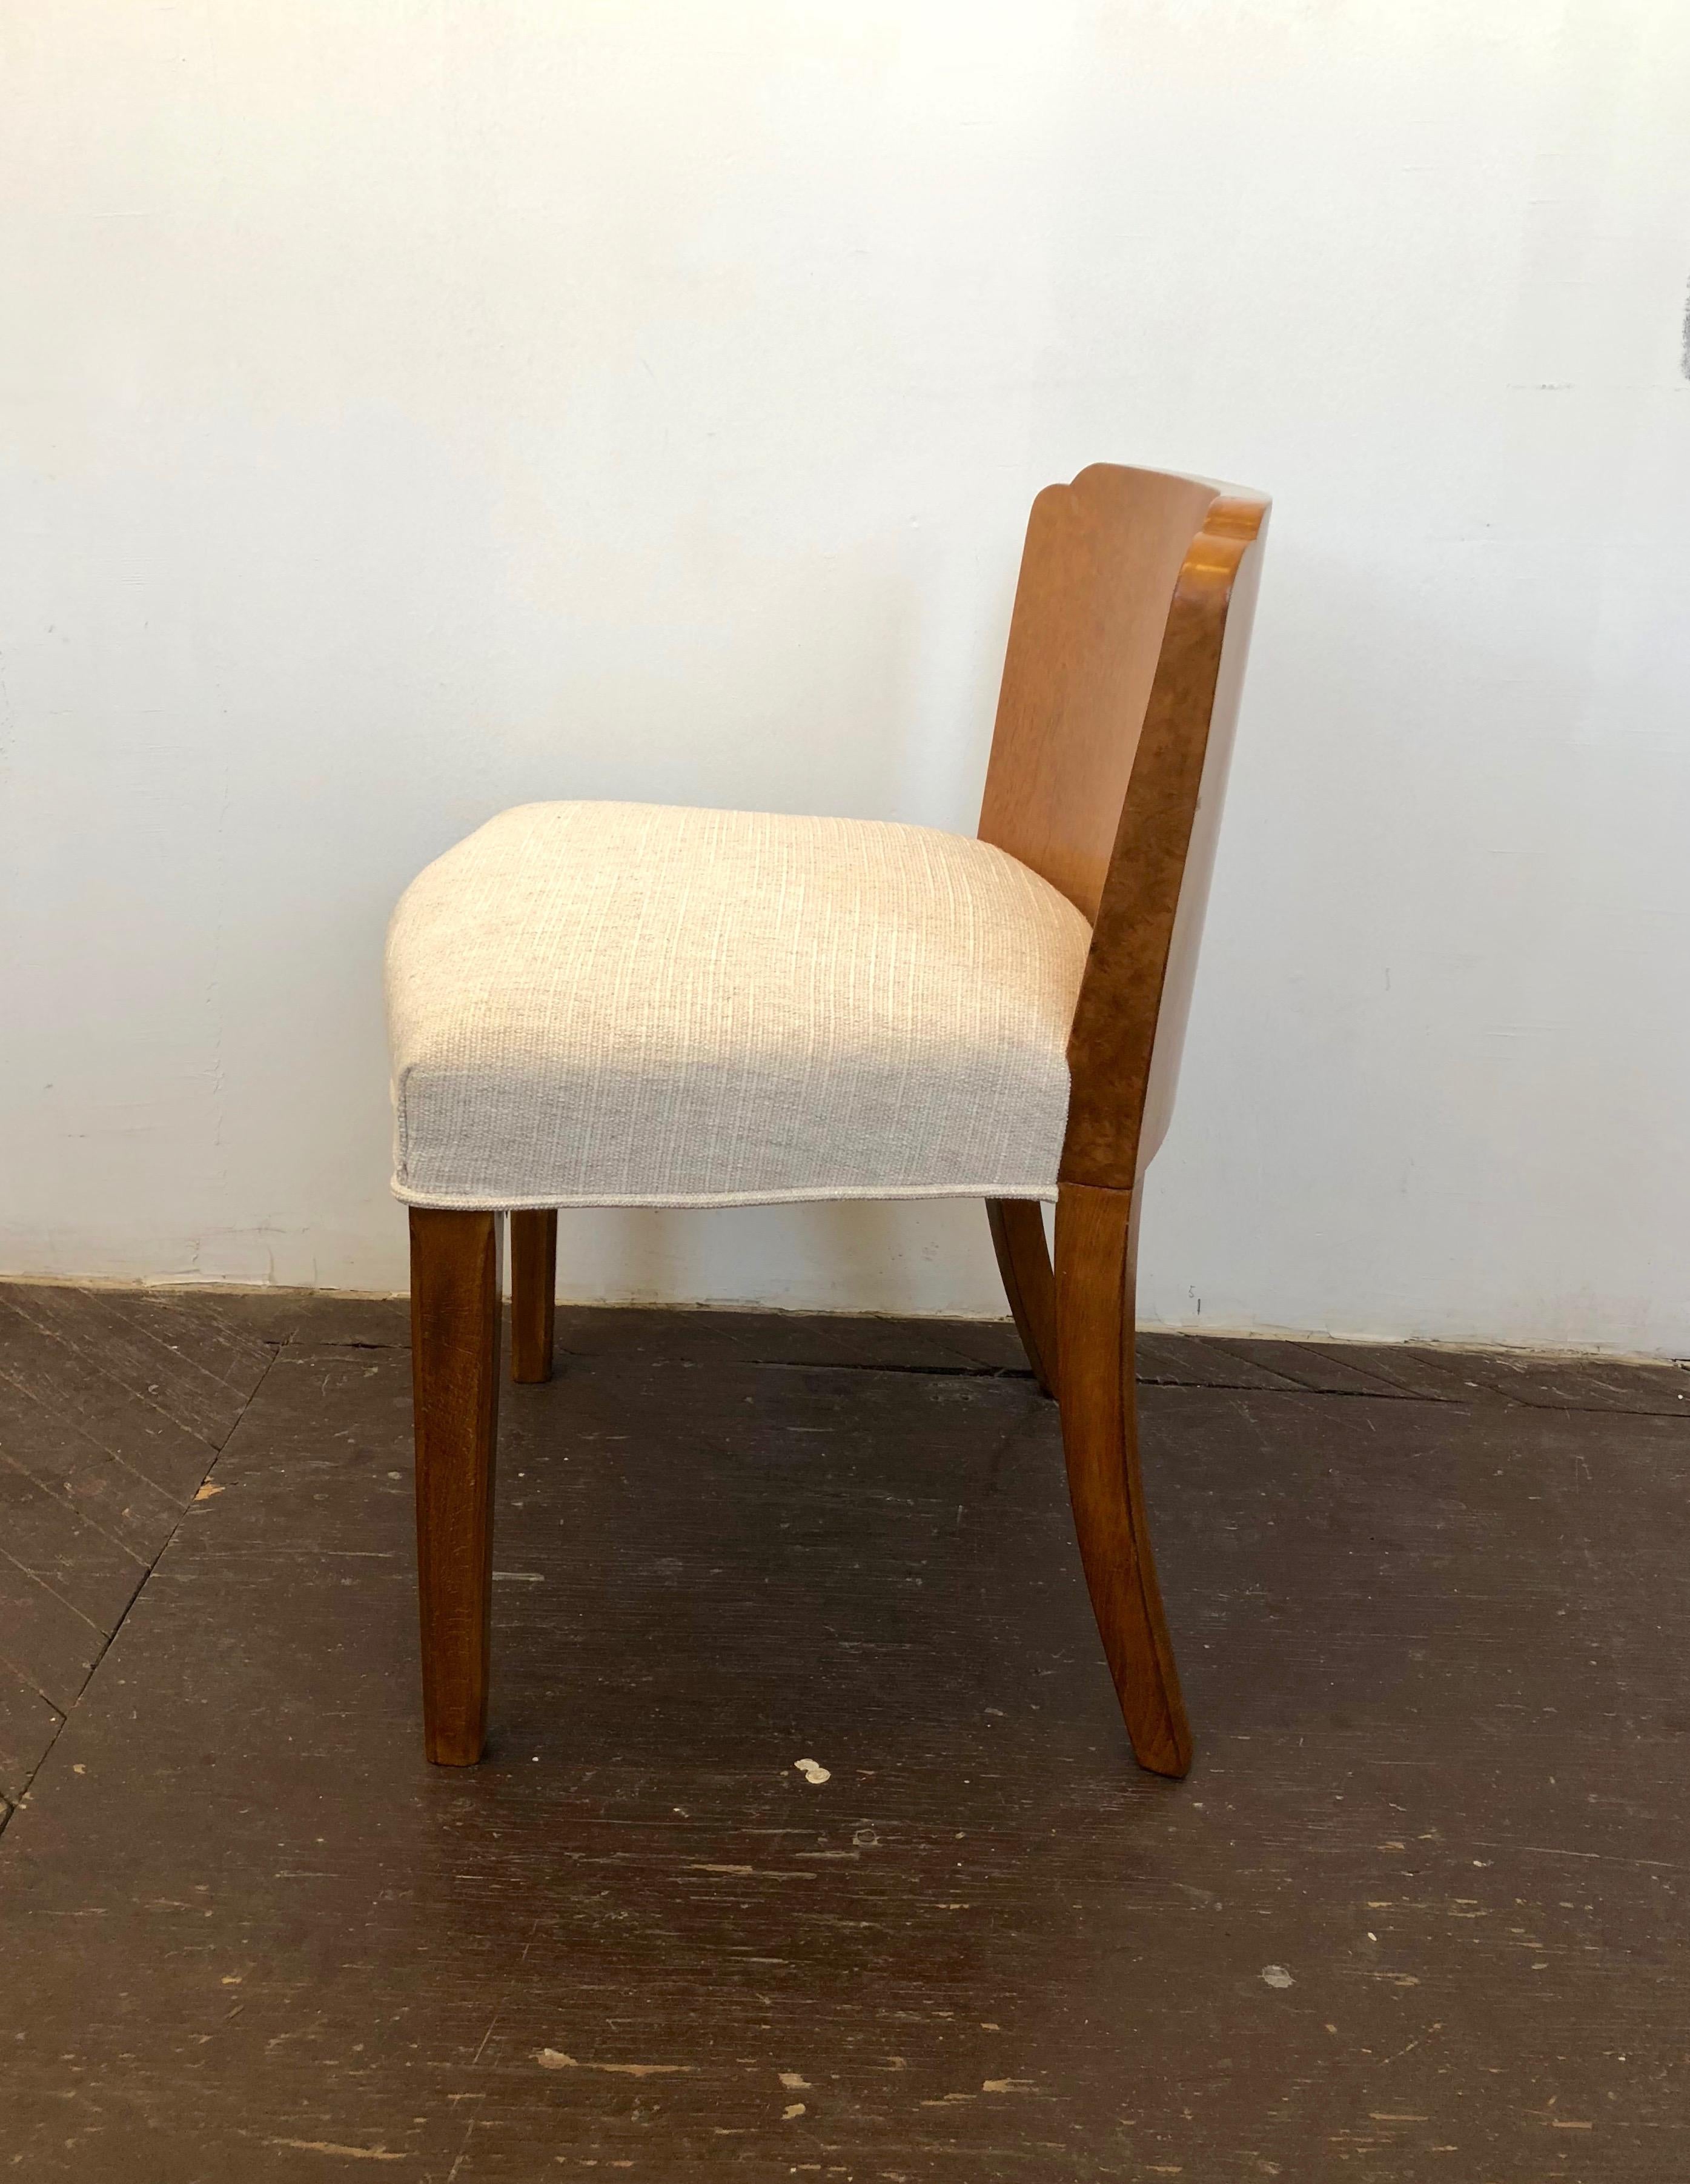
(635, 1005)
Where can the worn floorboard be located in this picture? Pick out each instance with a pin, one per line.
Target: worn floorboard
(40, 1441)
(28, 1724)
(114, 1404)
(1417, 1913)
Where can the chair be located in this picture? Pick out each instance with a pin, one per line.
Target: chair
(602, 1003)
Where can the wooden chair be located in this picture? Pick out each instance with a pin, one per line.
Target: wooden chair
(1120, 690)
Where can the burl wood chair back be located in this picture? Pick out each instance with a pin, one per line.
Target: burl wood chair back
(1108, 766)
(1109, 762)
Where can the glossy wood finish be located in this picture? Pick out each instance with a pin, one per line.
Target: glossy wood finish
(533, 1294)
(1109, 762)
(455, 1380)
(1095, 1254)
(1024, 1260)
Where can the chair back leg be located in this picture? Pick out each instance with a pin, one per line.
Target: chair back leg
(533, 1293)
(1023, 1262)
(1096, 1253)
(455, 1379)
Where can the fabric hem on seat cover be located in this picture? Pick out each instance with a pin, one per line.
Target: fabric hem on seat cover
(540, 1202)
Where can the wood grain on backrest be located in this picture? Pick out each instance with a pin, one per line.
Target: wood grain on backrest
(1098, 575)
(1109, 761)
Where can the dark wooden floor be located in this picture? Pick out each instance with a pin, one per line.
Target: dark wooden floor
(1419, 1912)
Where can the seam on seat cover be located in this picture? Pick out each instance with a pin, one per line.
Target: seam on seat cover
(821, 1194)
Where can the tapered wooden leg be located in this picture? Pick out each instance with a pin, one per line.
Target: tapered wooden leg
(1023, 1262)
(533, 1293)
(455, 1379)
(1096, 1251)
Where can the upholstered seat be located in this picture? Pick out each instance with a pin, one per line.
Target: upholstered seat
(636, 1005)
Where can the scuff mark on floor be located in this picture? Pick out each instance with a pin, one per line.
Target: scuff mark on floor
(553, 2058)
(346, 2152)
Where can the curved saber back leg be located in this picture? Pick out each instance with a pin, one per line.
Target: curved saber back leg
(1096, 1249)
(1023, 1262)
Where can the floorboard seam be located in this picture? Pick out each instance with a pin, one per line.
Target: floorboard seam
(112, 1454)
(144, 1339)
(57, 1489)
(1485, 1399)
(116, 1455)
(91, 1360)
(147, 1568)
(48, 1587)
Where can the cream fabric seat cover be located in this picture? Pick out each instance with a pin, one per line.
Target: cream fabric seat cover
(636, 1004)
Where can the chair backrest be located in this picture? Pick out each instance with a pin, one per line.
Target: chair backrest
(1109, 764)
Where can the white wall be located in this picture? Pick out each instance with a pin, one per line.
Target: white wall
(414, 408)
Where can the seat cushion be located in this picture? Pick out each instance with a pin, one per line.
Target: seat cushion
(636, 1005)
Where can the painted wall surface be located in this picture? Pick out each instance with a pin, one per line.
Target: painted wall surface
(411, 411)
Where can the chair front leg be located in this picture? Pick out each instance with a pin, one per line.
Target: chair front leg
(1023, 1262)
(533, 1293)
(1095, 1254)
(455, 1377)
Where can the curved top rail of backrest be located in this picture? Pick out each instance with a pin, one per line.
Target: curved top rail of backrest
(1109, 762)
